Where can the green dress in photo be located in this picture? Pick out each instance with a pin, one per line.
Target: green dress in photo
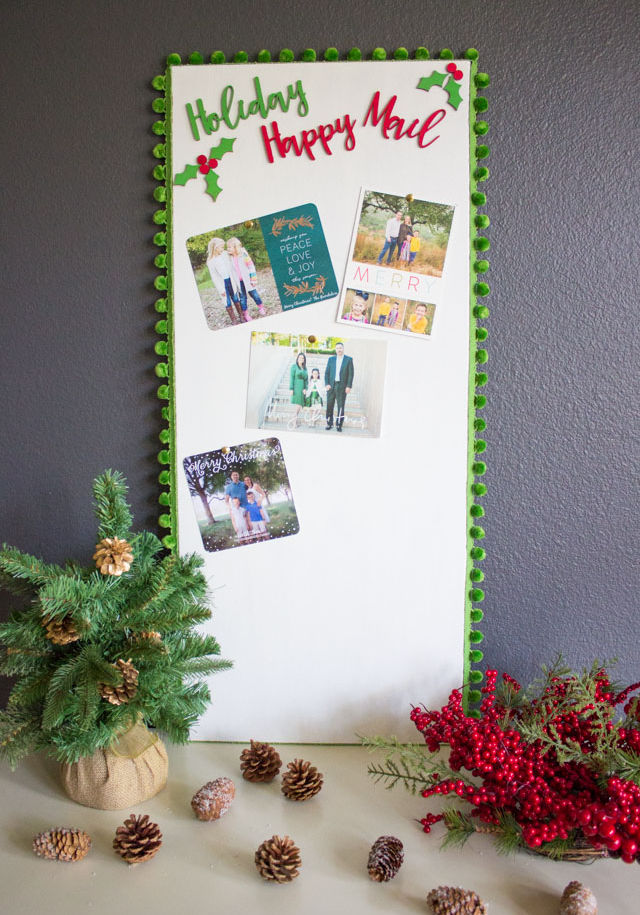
(297, 383)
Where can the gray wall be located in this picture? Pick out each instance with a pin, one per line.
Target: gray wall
(77, 317)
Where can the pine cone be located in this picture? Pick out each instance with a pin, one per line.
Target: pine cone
(120, 695)
(278, 859)
(61, 631)
(385, 858)
(113, 556)
(301, 781)
(260, 762)
(578, 900)
(62, 844)
(452, 900)
(138, 839)
(214, 799)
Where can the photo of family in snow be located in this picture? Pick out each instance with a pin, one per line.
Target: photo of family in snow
(403, 233)
(241, 495)
(307, 383)
(387, 312)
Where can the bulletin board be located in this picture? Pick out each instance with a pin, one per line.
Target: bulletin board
(320, 306)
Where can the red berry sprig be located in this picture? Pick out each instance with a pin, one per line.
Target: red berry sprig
(205, 164)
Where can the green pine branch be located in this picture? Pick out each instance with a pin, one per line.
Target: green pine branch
(110, 505)
(19, 569)
(460, 828)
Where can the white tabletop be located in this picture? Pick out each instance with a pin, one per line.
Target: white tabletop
(209, 866)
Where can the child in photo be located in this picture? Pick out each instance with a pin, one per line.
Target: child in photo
(256, 517)
(238, 519)
(393, 315)
(414, 246)
(314, 389)
(417, 322)
(358, 311)
(244, 275)
(383, 312)
(219, 265)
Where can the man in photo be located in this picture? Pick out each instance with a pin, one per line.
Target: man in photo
(338, 380)
(236, 489)
(391, 232)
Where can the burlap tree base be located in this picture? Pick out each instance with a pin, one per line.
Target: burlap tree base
(131, 771)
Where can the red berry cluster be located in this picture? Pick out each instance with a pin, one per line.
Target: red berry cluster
(556, 785)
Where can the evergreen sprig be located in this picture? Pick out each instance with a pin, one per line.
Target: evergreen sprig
(146, 616)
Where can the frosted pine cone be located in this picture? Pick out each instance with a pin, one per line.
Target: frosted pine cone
(301, 781)
(278, 859)
(120, 695)
(113, 556)
(138, 839)
(260, 762)
(62, 844)
(452, 900)
(385, 858)
(214, 799)
(578, 900)
(61, 631)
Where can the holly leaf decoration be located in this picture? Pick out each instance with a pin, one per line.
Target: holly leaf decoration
(453, 90)
(436, 79)
(190, 171)
(213, 188)
(224, 146)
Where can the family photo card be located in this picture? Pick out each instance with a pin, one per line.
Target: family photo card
(333, 199)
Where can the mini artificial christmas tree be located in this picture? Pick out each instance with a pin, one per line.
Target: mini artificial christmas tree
(100, 650)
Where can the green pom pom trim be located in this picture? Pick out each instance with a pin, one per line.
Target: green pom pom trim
(218, 57)
(474, 695)
(476, 511)
(479, 489)
(308, 55)
(286, 56)
(477, 615)
(164, 520)
(164, 436)
(170, 542)
(481, 311)
(159, 172)
(482, 356)
(481, 379)
(160, 194)
(354, 54)
(482, 151)
(476, 655)
(161, 305)
(241, 57)
(164, 498)
(476, 575)
(164, 456)
(476, 637)
(479, 424)
(161, 283)
(160, 239)
(422, 54)
(173, 59)
(164, 478)
(478, 554)
(158, 83)
(471, 54)
(264, 56)
(479, 468)
(331, 54)
(478, 199)
(481, 266)
(480, 103)
(160, 217)
(379, 54)
(481, 173)
(161, 326)
(160, 260)
(475, 676)
(481, 128)
(165, 414)
(160, 151)
(195, 58)
(481, 243)
(446, 54)
(159, 128)
(481, 333)
(480, 401)
(482, 80)
(162, 370)
(474, 712)
(476, 532)
(161, 347)
(481, 289)
(163, 392)
(158, 105)
(481, 221)
(401, 54)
